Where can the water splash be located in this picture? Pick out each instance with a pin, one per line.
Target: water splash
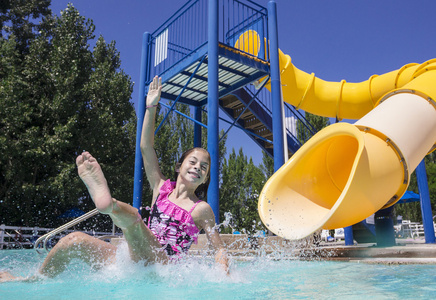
(256, 244)
(196, 268)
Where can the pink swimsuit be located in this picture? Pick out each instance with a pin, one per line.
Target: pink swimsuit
(172, 225)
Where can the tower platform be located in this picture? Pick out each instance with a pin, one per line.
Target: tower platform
(236, 69)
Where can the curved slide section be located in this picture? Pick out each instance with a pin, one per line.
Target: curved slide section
(347, 172)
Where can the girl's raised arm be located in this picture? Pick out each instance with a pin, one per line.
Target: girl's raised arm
(151, 165)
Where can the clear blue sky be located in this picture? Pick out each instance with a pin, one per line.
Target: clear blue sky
(336, 39)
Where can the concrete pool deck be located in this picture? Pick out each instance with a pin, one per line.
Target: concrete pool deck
(411, 253)
(407, 251)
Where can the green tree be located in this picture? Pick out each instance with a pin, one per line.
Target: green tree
(412, 211)
(254, 181)
(20, 19)
(241, 185)
(267, 166)
(57, 99)
(317, 122)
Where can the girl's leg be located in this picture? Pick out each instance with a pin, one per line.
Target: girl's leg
(95, 252)
(5, 276)
(79, 245)
(142, 243)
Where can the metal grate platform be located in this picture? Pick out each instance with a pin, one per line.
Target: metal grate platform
(236, 69)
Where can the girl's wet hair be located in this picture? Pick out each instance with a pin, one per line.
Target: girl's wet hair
(201, 191)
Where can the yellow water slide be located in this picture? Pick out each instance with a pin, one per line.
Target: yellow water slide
(347, 172)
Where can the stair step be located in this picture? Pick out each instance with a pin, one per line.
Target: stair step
(253, 118)
(237, 111)
(252, 123)
(231, 101)
(263, 132)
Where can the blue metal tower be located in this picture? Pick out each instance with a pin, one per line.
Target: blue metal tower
(195, 54)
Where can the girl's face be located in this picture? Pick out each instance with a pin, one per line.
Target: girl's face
(195, 167)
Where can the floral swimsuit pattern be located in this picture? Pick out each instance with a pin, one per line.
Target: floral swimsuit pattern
(172, 225)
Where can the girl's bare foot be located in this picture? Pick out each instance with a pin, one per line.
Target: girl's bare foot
(91, 174)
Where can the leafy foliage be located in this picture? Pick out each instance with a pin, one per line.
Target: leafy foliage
(19, 18)
(241, 185)
(58, 98)
(317, 122)
(412, 211)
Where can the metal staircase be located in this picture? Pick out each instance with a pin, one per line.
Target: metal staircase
(255, 119)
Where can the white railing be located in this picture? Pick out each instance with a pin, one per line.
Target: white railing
(19, 236)
(411, 229)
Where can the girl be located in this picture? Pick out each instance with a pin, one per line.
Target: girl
(176, 218)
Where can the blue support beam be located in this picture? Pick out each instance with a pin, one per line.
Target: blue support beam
(424, 198)
(212, 121)
(138, 175)
(197, 127)
(348, 236)
(277, 110)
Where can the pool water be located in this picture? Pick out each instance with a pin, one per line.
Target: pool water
(199, 278)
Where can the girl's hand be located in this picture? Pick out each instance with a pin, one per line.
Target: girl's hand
(154, 90)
